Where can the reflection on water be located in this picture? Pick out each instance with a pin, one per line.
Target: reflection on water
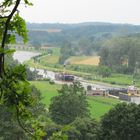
(22, 56)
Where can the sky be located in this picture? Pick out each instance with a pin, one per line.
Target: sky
(76, 11)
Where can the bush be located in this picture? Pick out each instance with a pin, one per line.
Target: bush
(104, 71)
(51, 82)
(113, 82)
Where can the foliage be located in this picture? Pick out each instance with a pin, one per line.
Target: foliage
(121, 54)
(69, 104)
(59, 136)
(17, 97)
(98, 106)
(93, 32)
(83, 128)
(65, 52)
(121, 123)
(104, 71)
(31, 75)
(11, 25)
(51, 128)
(21, 100)
(9, 126)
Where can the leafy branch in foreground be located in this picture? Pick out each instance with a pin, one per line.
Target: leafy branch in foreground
(22, 100)
(15, 91)
(11, 24)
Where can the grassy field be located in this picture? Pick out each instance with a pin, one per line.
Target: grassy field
(119, 79)
(47, 90)
(49, 59)
(98, 106)
(85, 60)
(53, 58)
(50, 62)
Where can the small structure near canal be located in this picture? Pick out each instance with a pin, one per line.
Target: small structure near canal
(64, 77)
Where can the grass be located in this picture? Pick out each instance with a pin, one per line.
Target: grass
(85, 60)
(120, 79)
(52, 68)
(98, 106)
(101, 105)
(53, 58)
(47, 90)
(49, 59)
(56, 51)
(51, 63)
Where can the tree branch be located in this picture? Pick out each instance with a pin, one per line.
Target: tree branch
(20, 124)
(5, 35)
(4, 17)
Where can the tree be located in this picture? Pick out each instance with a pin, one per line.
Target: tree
(70, 103)
(121, 54)
(83, 129)
(104, 55)
(121, 123)
(23, 103)
(15, 92)
(104, 71)
(9, 127)
(65, 52)
(11, 24)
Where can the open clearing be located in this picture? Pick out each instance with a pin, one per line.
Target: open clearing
(98, 106)
(85, 60)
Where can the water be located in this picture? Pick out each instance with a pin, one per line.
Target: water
(22, 56)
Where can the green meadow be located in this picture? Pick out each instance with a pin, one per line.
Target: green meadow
(98, 106)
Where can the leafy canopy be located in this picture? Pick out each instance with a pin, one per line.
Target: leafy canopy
(69, 104)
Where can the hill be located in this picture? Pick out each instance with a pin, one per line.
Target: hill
(57, 33)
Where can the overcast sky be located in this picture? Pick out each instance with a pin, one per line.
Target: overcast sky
(75, 11)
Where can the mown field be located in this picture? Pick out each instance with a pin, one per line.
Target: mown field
(98, 106)
(85, 60)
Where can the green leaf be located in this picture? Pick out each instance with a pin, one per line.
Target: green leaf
(1, 50)
(20, 27)
(10, 51)
(10, 39)
(29, 3)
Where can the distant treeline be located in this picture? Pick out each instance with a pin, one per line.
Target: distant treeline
(122, 54)
(74, 32)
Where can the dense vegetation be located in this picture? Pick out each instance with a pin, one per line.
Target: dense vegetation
(70, 104)
(121, 54)
(75, 32)
(19, 101)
